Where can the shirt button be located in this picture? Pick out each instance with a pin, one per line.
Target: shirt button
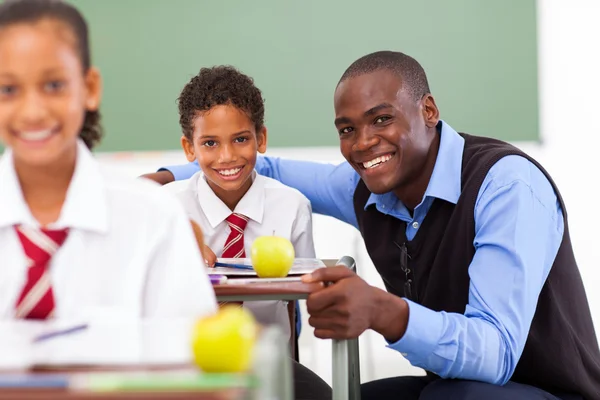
(415, 224)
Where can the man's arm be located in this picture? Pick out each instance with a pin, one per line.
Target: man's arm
(172, 173)
(161, 177)
(518, 230)
(329, 188)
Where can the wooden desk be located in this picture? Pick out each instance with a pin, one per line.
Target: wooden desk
(287, 291)
(65, 394)
(346, 375)
(265, 291)
(270, 378)
(74, 393)
(345, 356)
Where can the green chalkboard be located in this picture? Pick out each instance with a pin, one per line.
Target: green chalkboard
(480, 56)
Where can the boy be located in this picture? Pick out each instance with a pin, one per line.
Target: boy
(222, 118)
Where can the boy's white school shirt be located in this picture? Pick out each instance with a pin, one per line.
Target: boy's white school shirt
(130, 252)
(271, 208)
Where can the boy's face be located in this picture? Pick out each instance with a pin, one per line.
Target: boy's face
(225, 143)
(43, 91)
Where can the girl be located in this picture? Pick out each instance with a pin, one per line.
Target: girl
(75, 241)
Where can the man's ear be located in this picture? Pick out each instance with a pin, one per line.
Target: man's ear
(188, 149)
(261, 139)
(431, 113)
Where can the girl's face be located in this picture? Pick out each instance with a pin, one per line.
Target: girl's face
(44, 92)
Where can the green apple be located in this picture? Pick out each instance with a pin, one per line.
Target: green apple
(272, 256)
(224, 342)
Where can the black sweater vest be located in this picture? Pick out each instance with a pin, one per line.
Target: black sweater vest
(561, 353)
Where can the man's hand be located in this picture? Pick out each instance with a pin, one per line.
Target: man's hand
(162, 177)
(348, 306)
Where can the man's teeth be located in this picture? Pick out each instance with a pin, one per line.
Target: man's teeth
(375, 162)
(229, 172)
(34, 136)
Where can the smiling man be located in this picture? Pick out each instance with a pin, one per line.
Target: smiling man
(469, 235)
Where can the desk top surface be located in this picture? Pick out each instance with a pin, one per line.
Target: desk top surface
(76, 383)
(270, 288)
(230, 393)
(40, 394)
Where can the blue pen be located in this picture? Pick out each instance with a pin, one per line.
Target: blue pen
(238, 266)
(61, 332)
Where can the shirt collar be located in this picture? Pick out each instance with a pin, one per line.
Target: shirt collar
(251, 205)
(445, 182)
(85, 206)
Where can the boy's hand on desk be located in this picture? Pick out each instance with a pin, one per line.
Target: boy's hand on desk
(348, 306)
(207, 254)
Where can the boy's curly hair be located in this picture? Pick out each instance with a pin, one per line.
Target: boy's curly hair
(215, 86)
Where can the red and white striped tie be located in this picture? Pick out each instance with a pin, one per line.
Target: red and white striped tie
(234, 246)
(36, 300)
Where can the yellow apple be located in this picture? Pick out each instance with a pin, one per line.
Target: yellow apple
(224, 342)
(272, 256)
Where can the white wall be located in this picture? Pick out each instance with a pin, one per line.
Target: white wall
(569, 88)
(569, 68)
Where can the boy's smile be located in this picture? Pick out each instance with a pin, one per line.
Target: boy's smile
(225, 143)
(232, 173)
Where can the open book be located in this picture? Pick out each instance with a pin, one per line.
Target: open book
(301, 266)
(160, 342)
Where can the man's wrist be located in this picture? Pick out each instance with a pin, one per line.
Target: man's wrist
(162, 177)
(390, 317)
